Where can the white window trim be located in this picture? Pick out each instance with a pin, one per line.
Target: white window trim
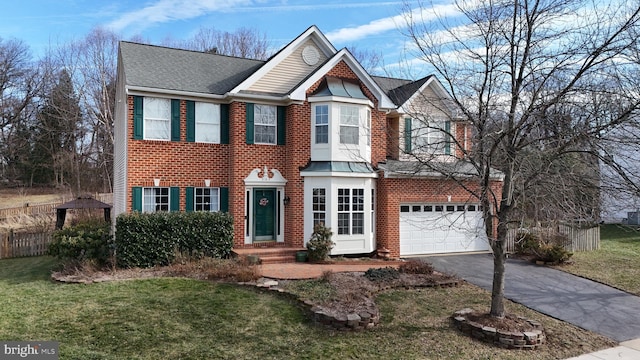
(144, 189)
(313, 204)
(350, 211)
(429, 138)
(214, 121)
(195, 197)
(274, 125)
(326, 125)
(146, 117)
(342, 124)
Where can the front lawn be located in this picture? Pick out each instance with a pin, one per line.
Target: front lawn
(617, 263)
(178, 318)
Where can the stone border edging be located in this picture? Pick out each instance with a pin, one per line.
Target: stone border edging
(529, 340)
(351, 322)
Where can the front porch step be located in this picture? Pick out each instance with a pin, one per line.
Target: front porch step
(276, 255)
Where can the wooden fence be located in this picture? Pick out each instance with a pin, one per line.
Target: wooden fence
(46, 208)
(580, 238)
(20, 244)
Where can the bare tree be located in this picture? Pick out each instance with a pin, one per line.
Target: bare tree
(20, 82)
(371, 60)
(244, 43)
(91, 64)
(529, 78)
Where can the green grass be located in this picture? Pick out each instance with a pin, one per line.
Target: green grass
(178, 318)
(616, 263)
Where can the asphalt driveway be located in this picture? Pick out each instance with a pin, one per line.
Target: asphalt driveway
(584, 303)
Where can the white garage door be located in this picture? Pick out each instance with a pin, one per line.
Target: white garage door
(441, 228)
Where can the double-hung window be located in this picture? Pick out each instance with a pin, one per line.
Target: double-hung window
(430, 137)
(349, 124)
(265, 120)
(155, 199)
(157, 118)
(207, 122)
(322, 124)
(350, 211)
(319, 206)
(206, 199)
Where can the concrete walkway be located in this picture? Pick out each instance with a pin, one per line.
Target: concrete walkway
(584, 303)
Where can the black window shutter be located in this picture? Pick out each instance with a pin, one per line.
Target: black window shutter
(281, 124)
(224, 123)
(224, 199)
(191, 121)
(407, 135)
(136, 199)
(174, 199)
(175, 120)
(138, 119)
(189, 199)
(249, 123)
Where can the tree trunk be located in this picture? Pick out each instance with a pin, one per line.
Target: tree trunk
(497, 292)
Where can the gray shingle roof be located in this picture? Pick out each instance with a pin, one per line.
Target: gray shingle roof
(400, 90)
(459, 169)
(183, 70)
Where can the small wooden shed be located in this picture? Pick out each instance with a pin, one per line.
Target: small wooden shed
(82, 202)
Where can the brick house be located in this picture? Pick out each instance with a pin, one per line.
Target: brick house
(307, 136)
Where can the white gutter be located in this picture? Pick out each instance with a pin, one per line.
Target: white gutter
(143, 90)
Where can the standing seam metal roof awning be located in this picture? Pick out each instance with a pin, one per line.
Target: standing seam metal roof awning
(339, 166)
(341, 88)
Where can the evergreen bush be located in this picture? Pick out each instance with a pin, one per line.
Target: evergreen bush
(88, 240)
(154, 239)
(320, 244)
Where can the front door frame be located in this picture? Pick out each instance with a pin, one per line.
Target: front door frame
(264, 179)
(266, 202)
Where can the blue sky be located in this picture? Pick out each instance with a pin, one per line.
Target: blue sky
(361, 23)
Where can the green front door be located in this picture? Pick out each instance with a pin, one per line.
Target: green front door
(264, 209)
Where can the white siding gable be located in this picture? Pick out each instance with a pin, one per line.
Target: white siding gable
(290, 71)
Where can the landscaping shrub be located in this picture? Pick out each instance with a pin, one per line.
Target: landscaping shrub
(87, 241)
(320, 244)
(150, 239)
(549, 248)
(554, 253)
(416, 267)
(382, 274)
(526, 243)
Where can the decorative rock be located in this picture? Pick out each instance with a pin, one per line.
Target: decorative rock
(353, 320)
(270, 283)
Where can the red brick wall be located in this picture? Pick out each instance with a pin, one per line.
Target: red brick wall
(242, 160)
(393, 192)
(185, 164)
(180, 164)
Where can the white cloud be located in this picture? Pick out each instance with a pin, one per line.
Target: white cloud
(172, 10)
(375, 27)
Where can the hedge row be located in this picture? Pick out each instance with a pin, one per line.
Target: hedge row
(150, 239)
